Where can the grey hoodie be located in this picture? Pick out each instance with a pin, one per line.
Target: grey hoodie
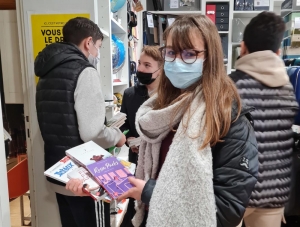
(265, 66)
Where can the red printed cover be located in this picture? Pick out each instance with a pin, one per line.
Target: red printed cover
(211, 12)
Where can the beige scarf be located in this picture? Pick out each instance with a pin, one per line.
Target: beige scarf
(183, 195)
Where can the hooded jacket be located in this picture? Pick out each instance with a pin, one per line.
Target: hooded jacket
(263, 83)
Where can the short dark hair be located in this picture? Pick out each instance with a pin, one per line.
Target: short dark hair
(264, 32)
(79, 28)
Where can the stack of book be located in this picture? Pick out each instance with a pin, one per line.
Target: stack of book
(104, 176)
(134, 142)
(117, 120)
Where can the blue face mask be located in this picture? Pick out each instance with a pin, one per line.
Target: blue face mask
(183, 75)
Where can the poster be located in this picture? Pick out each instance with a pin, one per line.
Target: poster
(47, 29)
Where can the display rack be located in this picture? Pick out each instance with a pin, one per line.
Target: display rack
(112, 23)
(244, 16)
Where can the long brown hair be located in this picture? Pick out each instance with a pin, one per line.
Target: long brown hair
(219, 92)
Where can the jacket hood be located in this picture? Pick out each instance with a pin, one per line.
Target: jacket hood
(264, 66)
(54, 55)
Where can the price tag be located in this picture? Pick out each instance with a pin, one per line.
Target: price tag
(170, 21)
(297, 22)
(174, 4)
(138, 7)
(150, 20)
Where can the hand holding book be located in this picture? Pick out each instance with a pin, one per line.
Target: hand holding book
(76, 186)
(134, 192)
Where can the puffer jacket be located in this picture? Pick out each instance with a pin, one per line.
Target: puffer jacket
(263, 83)
(235, 169)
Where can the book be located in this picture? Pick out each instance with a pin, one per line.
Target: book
(129, 165)
(59, 171)
(90, 186)
(87, 153)
(117, 120)
(111, 175)
(134, 142)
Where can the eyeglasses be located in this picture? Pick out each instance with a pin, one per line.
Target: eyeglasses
(188, 56)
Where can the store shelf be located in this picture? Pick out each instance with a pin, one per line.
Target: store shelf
(213, 1)
(105, 33)
(116, 28)
(236, 44)
(175, 12)
(245, 14)
(119, 84)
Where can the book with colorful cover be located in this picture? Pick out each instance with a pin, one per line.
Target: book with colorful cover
(111, 175)
(59, 171)
(87, 153)
(90, 186)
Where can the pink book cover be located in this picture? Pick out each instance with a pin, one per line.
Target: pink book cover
(111, 175)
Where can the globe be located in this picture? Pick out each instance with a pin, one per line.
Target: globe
(120, 52)
(115, 54)
(116, 5)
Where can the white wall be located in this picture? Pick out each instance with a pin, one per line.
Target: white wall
(4, 202)
(12, 78)
(43, 202)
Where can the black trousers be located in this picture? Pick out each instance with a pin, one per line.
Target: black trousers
(82, 212)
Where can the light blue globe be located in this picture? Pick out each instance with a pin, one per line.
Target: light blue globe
(115, 54)
(120, 53)
(116, 5)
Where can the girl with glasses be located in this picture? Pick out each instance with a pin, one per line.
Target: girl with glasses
(198, 158)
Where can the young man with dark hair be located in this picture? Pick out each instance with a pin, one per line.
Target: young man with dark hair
(71, 110)
(263, 83)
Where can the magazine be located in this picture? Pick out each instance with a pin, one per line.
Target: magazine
(87, 153)
(111, 175)
(59, 171)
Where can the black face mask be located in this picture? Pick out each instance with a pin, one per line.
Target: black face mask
(145, 78)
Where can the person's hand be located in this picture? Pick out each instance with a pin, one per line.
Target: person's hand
(121, 141)
(75, 186)
(134, 149)
(134, 192)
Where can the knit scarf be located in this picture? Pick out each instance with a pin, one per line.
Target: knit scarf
(183, 195)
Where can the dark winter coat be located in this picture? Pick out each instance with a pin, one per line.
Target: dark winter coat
(235, 168)
(262, 82)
